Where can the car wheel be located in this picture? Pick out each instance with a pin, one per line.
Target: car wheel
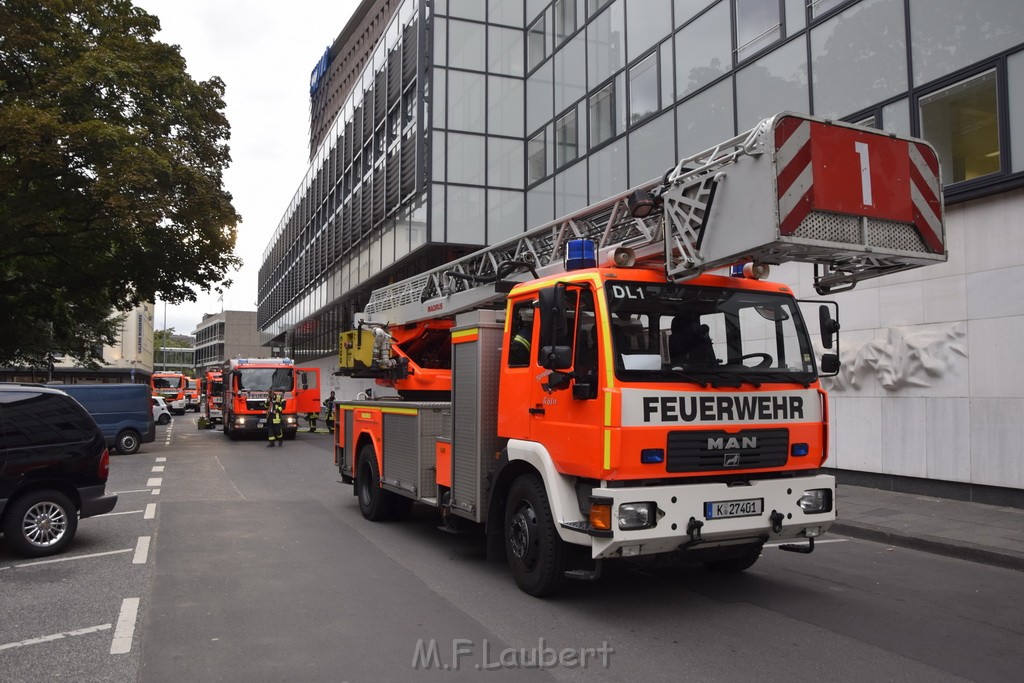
(128, 442)
(163, 419)
(537, 556)
(40, 523)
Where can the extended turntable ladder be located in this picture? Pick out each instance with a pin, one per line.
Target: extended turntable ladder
(857, 202)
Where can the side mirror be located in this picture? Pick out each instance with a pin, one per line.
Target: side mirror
(558, 381)
(827, 325)
(551, 309)
(556, 357)
(830, 364)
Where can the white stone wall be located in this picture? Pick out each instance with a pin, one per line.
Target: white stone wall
(932, 383)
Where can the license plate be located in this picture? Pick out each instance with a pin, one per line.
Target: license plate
(750, 507)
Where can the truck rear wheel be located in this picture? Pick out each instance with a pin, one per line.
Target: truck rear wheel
(375, 503)
(743, 561)
(537, 556)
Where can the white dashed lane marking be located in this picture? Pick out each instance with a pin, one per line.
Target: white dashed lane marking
(158, 468)
(141, 550)
(125, 628)
(55, 636)
(155, 481)
(150, 511)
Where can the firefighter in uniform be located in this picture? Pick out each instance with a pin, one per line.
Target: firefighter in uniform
(519, 351)
(275, 432)
(312, 418)
(329, 410)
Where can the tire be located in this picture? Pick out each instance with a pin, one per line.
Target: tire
(537, 556)
(375, 503)
(40, 523)
(164, 419)
(128, 442)
(736, 564)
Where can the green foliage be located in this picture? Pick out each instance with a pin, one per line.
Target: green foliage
(111, 175)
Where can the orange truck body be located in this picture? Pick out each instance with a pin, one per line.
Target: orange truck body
(246, 384)
(214, 401)
(171, 385)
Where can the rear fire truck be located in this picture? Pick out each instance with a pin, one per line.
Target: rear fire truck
(623, 399)
(214, 391)
(246, 384)
(192, 394)
(170, 385)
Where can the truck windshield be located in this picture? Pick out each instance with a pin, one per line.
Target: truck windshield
(167, 382)
(669, 332)
(265, 379)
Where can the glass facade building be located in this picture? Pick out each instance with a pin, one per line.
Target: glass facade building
(477, 119)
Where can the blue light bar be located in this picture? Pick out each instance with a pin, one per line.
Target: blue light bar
(580, 254)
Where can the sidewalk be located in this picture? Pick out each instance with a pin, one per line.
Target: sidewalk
(987, 534)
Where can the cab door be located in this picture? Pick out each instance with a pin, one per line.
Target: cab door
(307, 390)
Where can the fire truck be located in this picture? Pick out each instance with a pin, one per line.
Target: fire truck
(214, 391)
(624, 382)
(192, 394)
(170, 385)
(246, 384)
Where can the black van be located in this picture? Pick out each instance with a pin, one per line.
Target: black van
(122, 411)
(53, 469)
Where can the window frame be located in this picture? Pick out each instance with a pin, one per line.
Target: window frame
(531, 34)
(540, 135)
(561, 161)
(655, 54)
(609, 86)
(562, 34)
(740, 57)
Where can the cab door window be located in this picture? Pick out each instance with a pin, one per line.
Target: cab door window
(520, 339)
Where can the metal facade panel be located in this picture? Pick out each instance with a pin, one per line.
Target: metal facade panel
(401, 451)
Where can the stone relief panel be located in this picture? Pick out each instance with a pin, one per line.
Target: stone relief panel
(907, 357)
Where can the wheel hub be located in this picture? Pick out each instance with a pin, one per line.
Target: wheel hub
(44, 524)
(521, 536)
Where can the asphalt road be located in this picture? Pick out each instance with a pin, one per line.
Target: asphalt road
(259, 567)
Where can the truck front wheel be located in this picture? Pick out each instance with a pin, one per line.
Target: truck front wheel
(537, 556)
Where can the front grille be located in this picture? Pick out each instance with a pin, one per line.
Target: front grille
(713, 450)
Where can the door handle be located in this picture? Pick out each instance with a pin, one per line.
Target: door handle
(536, 411)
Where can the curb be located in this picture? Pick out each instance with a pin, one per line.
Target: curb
(931, 544)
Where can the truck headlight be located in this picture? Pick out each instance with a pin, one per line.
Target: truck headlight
(290, 420)
(240, 421)
(816, 501)
(636, 516)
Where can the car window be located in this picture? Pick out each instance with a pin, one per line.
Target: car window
(37, 419)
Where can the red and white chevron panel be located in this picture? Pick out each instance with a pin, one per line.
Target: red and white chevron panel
(824, 167)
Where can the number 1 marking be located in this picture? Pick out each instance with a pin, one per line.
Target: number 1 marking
(865, 172)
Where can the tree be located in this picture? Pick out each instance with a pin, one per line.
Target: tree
(111, 175)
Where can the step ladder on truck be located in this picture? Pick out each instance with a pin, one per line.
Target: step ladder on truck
(624, 382)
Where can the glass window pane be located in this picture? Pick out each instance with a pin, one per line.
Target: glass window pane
(565, 139)
(687, 9)
(947, 35)
(535, 48)
(962, 122)
(437, 154)
(539, 97)
(505, 162)
(1015, 85)
(540, 204)
(467, 9)
(565, 19)
(466, 159)
(466, 215)
(602, 115)
(466, 101)
(647, 22)
(570, 190)
(821, 7)
(440, 41)
(466, 50)
(774, 83)
(608, 171)
(595, 6)
(705, 120)
(505, 12)
(758, 25)
(504, 51)
(606, 50)
(570, 73)
(651, 150)
(860, 58)
(643, 89)
(702, 50)
(440, 105)
(505, 106)
(796, 19)
(536, 157)
(896, 117)
(505, 215)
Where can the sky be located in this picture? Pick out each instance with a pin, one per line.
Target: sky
(264, 51)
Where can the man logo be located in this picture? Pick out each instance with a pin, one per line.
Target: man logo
(732, 460)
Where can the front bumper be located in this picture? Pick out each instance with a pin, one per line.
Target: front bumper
(257, 423)
(677, 505)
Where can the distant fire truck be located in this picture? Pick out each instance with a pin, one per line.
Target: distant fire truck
(214, 398)
(170, 385)
(246, 383)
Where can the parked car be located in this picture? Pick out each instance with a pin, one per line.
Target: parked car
(54, 464)
(161, 413)
(122, 412)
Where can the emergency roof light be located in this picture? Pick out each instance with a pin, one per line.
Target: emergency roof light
(579, 254)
